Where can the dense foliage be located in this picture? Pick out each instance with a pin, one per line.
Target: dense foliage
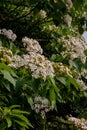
(43, 65)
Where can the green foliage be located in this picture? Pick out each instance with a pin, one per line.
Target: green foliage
(12, 116)
(47, 103)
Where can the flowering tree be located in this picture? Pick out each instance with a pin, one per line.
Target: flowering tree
(43, 65)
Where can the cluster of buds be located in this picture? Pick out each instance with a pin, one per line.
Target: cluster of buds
(61, 69)
(41, 105)
(5, 55)
(80, 124)
(8, 34)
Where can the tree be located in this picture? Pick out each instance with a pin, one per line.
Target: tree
(43, 65)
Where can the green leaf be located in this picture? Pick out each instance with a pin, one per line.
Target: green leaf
(62, 80)
(30, 100)
(52, 81)
(85, 52)
(72, 81)
(7, 68)
(15, 111)
(8, 77)
(7, 86)
(22, 128)
(14, 106)
(9, 122)
(20, 117)
(52, 98)
(21, 123)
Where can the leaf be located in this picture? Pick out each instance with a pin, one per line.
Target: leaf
(85, 52)
(7, 86)
(14, 106)
(55, 87)
(72, 81)
(30, 100)
(22, 128)
(21, 123)
(62, 80)
(8, 77)
(20, 117)
(7, 68)
(52, 98)
(9, 122)
(15, 111)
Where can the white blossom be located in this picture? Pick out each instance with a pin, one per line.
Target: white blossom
(69, 4)
(43, 13)
(75, 47)
(81, 124)
(41, 105)
(32, 45)
(39, 65)
(8, 34)
(68, 19)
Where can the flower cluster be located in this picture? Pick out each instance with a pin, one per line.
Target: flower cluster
(41, 105)
(84, 73)
(42, 14)
(5, 55)
(61, 69)
(32, 45)
(68, 4)
(81, 124)
(8, 34)
(40, 66)
(81, 83)
(68, 20)
(73, 47)
(51, 28)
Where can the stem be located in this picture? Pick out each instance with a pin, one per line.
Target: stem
(43, 123)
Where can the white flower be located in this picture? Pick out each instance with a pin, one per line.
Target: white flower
(81, 124)
(68, 19)
(9, 34)
(69, 4)
(13, 37)
(43, 13)
(32, 45)
(74, 47)
(41, 105)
